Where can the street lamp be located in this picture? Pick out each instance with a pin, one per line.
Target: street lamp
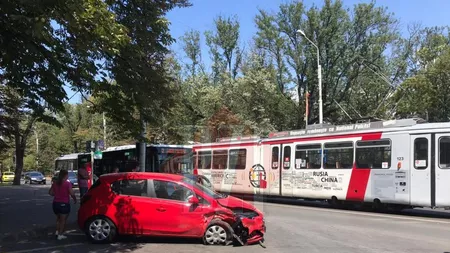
(319, 74)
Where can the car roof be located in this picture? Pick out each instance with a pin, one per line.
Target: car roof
(140, 175)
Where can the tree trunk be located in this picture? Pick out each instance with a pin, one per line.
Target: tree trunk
(75, 146)
(20, 153)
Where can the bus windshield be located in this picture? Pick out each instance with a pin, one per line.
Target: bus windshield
(175, 162)
(204, 189)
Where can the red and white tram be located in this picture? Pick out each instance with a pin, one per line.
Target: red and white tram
(400, 163)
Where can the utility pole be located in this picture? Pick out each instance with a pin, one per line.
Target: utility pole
(142, 145)
(104, 130)
(319, 75)
(37, 147)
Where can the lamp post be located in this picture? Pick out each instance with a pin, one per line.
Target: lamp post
(319, 75)
(104, 127)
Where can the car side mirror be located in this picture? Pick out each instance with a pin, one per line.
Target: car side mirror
(193, 200)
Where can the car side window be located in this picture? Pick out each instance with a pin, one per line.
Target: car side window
(130, 187)
(171, 190)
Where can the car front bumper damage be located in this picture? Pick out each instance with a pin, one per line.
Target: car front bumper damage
(248, 231)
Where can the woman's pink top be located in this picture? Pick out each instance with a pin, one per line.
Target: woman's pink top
(62, 194)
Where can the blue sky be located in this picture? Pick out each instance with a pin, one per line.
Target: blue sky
(201, 15)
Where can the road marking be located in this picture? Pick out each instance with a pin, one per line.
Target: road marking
(48, 248)
(361, 213)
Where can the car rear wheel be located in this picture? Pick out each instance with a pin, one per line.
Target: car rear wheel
(101, 230)
(218, 233)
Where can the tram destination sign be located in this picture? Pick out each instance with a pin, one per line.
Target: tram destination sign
(331, 129)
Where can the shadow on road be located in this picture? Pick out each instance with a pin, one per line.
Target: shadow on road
(44, 241)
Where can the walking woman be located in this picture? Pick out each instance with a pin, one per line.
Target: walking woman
(61, 191)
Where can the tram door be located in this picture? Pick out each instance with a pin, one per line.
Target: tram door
(274, 170)
(287, 167)
(442, 161)
(421, 170)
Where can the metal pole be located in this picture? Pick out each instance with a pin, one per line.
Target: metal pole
(319, 75)
(92, 161)
(104, 130)
(37, 148)
(319, 69)
(142, 146)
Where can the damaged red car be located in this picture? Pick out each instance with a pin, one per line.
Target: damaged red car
(166, 205)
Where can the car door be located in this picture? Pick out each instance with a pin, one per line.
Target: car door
(134, 209)
(175, 216)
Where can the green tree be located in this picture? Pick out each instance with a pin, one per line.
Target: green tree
(349, 40)
(191, 47)
(141, 88)
(17, 123)
(45, 45)
(425, 93)
(223, 42)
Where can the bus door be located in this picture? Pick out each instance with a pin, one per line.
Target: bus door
(442, 161)
(421, 170)
(287, 167)
(274, 170)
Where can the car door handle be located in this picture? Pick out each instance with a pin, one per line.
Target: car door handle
(161, 209)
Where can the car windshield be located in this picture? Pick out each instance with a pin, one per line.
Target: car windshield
(204, 189)
(72, 174)
(9, 173)
(35, 174)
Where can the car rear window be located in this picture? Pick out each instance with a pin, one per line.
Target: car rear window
(9, 173)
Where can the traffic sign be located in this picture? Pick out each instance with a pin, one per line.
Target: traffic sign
(98, 154)
(101, 144)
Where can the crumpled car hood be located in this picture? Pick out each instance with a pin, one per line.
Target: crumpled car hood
(233, 202)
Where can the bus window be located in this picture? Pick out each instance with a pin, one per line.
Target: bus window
(238, 159)
(308, 156)
(220, 158)
(204, 160)
(421, 153)
(373, 154)
(287, 157)
(275, 158)
(338, 155)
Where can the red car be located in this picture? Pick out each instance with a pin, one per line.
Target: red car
(157, 204)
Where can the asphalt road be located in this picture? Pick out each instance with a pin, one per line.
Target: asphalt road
(291, 228)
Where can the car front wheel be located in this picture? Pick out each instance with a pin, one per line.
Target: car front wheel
(101, 230)
(218, 233)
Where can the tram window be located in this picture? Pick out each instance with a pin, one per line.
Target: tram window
(421, 153)
(204, 160)
(373, 154)
(338, 155)
(308, 156)
(238, 159)
(444, 152)
(287, 157)
(275, 157)
(220, 158)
